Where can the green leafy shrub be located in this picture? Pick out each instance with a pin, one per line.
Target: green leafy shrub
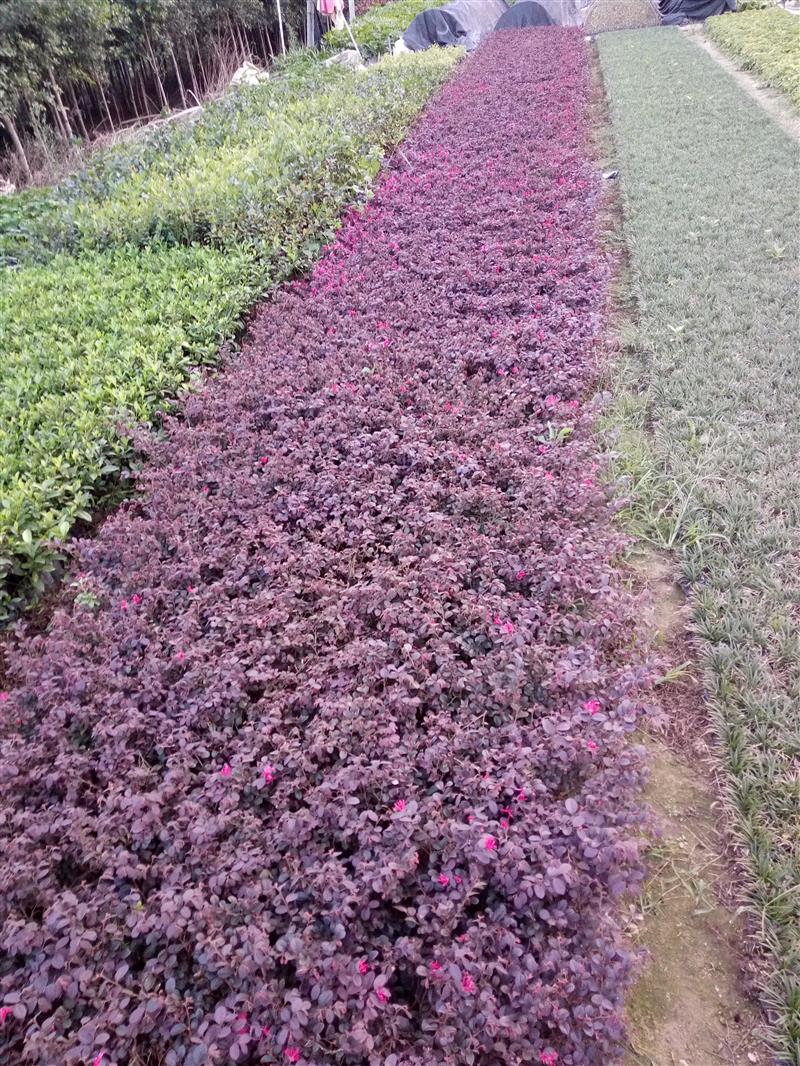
(755, 5)
(85, 342)
(377, 30)
(105, 336)
(267, 160)
(766, 42)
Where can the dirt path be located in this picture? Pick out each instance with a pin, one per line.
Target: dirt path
(771, 100)
(692, 1005)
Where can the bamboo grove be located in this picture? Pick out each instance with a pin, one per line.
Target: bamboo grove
(70, 68)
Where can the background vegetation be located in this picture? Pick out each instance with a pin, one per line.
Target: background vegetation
(381, 26)
(68, 67)
(710, 194)
(766, 42)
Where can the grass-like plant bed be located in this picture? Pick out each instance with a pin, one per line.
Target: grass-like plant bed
(766, 42)
(324, 756)
(710, 194)
(110, 334)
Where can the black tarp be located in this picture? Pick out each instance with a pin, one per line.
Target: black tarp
(525, 13)
(463, 22)
(433, 27)
(678, 12)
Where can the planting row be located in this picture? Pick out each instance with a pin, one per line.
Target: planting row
(766, 42)
(323, 757)
(108, 335)
(715, 371)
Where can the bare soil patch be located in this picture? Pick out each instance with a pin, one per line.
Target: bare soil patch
(694, 1003)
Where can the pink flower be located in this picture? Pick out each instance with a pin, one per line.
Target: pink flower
(190, 589)
(436, 966)
(468, 984)
(269, 774)
(587, 483)
(591, 745)
(205, 490)
(292, 1054)
(400, 805)
(444, 880)
(124, 605)
(98, 1059)
(180, 656)
(458, 879)
(264, 459)
(226, 770)
(3, 697)
(363, 967)
(383, 995)
(521, 795)
(504, 823)
(501, 371)
(334, 389)
(521, 575)
(506, 810)
(508, 627)
(543, 449)
(4, 1013)
(136, 599)
(548, 475)
(470, 818)
(489, 843)
(548, 1058)
(551, 400)
(592, 706)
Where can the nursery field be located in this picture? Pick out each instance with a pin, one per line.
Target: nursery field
(327, 746)
(712, 407)
(324, 756)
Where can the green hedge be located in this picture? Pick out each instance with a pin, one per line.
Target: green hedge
(766, 42)
(378, 29)
(106, 335)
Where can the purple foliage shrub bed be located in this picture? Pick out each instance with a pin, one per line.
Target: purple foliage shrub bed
(325, 757)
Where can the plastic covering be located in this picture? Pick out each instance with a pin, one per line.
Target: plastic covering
(679, 12)
(524, 13)
(566, 12)
(461, 22)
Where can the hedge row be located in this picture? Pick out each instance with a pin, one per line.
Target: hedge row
(110, 334)
(766, 42)
(323, 759)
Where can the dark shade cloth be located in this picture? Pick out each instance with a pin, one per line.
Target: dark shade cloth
(525, 13)
(463, 22)
(679, 12)
(433, 27)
